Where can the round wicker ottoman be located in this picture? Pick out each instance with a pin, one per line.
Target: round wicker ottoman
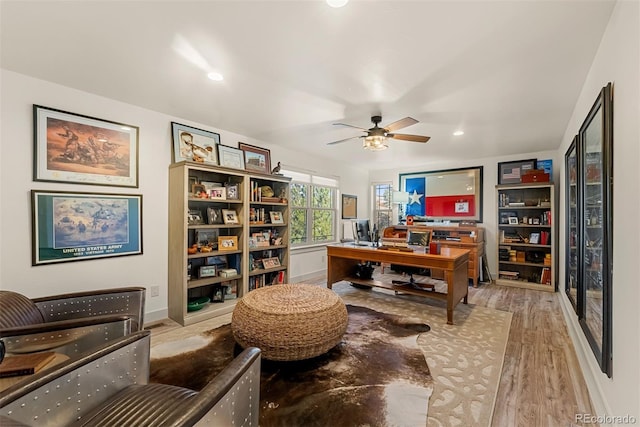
(289, 322)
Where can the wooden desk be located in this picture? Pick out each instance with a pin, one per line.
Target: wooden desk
(459, 238)
(342, 259)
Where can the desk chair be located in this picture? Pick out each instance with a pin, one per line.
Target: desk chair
(419, 239)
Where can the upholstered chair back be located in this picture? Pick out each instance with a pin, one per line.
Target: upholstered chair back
(18, 310)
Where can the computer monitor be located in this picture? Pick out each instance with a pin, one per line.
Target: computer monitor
(361, 230)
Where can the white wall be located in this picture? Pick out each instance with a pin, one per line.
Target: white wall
(617, 61)
(19, 93)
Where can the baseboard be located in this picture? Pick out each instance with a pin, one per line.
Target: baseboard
(154, 316)
(312, 275)
(588, 365)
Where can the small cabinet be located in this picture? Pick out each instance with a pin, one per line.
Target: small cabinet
(526, 236)
(218, 249)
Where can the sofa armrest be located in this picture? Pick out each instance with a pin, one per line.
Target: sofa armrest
(231, 398)
(95, 375)
(69, 337)
(123, 301)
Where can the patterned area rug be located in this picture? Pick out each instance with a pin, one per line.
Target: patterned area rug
(465, 359)
(376, 376)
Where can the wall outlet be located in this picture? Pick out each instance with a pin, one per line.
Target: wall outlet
(155, 291)
(323, 258)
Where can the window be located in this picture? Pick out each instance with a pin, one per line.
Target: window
(313, 208)
(382, 208)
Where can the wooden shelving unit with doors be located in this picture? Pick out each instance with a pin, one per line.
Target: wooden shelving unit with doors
(526, 236)
(211, 234)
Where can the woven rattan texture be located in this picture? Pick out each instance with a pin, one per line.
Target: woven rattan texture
(289, 322)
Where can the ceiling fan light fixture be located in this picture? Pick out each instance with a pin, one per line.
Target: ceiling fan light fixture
(375, 143)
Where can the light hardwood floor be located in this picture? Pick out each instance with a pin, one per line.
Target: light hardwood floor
(541, 384)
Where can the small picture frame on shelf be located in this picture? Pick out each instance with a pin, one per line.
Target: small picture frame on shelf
(534, 238)
(194, 217)
(271, 262)
(207, 271)
(513, 220)
(218, 193)
(233, 191)
(207, 238)
(277, 241)
(214, 216)
(199, 191)
(276, 217)
(229, 216)
(227, 243)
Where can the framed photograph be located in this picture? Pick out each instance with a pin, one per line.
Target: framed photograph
(230, 157)
(513, 220)
(233, 191)
(199, 191)
(207, 271)
(194, 145)
(74, 226)
(418, 237)
(349, 206)
(218, 193)
(194, 217)
(73, 148)
(271, 262)
(207, 238)
(227, 243)
(534, 238)
(256, 158)
(276, 217)
(229, 216)
(511, 172)
(193, 180)
(214, 216)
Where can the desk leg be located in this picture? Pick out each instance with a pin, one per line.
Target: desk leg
(457, 289)
(338, 269)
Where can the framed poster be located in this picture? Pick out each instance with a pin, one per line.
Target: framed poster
(73, 148)
(74, 226)
(230, 157)
(511, 172)
(444, 195)
(256, 158)
(194, 145)
(349, 206)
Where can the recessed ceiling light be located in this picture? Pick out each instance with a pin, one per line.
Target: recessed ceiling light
(337, 3)
(458, 133)
(215, 76)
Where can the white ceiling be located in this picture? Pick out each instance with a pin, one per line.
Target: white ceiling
(506, 72)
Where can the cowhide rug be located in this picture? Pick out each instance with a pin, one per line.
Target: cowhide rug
(377, 375)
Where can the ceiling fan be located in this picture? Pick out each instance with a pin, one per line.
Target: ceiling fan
(376, 137)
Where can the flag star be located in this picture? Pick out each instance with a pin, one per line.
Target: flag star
(415, 197)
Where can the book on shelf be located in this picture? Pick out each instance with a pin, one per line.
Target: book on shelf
(545, 277)
(25, 364)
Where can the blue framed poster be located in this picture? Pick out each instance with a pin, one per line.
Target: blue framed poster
(74, 226)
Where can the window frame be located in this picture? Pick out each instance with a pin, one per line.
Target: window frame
(311, 181)
(375, 211)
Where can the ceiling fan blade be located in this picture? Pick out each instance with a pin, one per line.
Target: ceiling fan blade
(344, 140)
(351, 126)
(402, 123)
(405, 137)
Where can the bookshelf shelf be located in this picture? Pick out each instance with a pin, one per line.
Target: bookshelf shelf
(526, 236)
